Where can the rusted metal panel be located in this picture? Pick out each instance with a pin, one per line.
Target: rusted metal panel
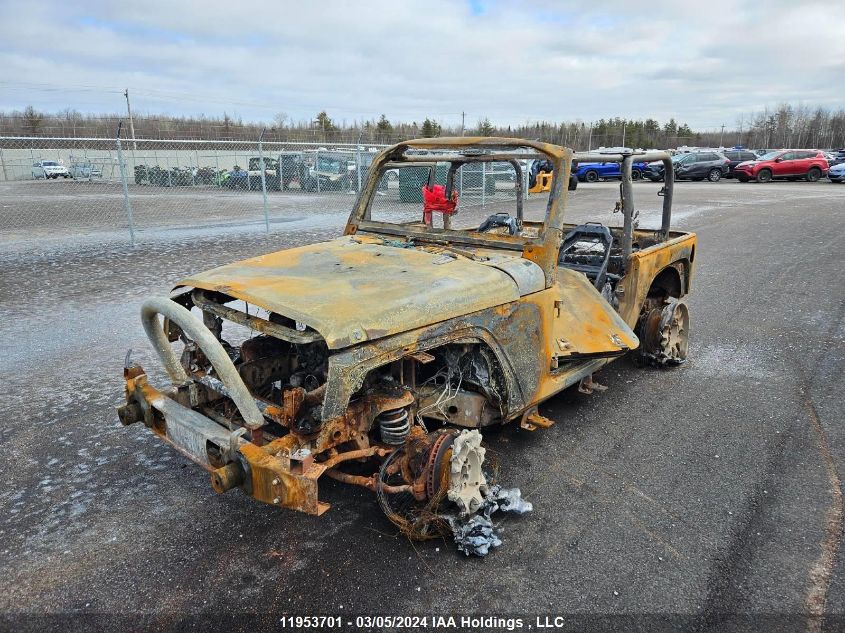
(325, 285)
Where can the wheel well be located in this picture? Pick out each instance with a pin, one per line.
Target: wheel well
(667, 283)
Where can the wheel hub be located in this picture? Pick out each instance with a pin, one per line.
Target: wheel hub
(667, 334)
(467, 483)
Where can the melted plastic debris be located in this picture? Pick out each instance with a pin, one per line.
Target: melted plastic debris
(510, 500)
(477, 534)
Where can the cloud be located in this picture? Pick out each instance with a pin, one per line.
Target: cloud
(508, 61)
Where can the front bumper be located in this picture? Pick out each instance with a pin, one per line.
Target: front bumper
(274, 473)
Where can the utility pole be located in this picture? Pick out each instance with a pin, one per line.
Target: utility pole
(721, 134)
(624, 123)
(463, 120)
(590, 142)
(131, 123)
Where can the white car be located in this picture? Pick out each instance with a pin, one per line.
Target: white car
(49, 169)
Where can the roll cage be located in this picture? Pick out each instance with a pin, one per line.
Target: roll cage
(543, 248)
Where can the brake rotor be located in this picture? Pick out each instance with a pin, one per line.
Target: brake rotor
(438, 460)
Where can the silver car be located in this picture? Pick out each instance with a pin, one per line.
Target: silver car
(85, 170)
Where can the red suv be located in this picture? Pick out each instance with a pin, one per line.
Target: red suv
(790, 164)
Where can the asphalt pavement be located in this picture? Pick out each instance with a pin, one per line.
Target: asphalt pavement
(707, 496)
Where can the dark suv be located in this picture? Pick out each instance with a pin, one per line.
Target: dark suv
(693, 166)
(737, 156)
(838, 157)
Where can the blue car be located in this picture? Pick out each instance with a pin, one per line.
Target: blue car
(837, 173)
(592, 172)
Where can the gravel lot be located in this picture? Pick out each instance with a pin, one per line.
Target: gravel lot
(711, 492)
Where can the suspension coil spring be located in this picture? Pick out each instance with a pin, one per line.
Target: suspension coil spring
(394, 425)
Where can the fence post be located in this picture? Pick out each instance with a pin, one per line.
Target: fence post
(317, 168)
(126, 200)
(358, 159)
(3, 165)
(263, 179)
(248, 179)
(483, 185)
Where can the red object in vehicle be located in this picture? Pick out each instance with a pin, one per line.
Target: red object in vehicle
(434, 200)
(791, 164)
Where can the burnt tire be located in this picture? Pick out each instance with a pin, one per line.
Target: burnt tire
(663, 330)
(814, 174)
(715, 175)
(591, 176)
(764, 175)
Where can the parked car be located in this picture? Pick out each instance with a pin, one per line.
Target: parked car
(790, 164)
(737, 156)
(85, 170)
(692, 166)
(836, 157)
(837, 173)
(592, 172)
(48, 169)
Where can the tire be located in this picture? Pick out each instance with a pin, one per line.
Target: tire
(764, 175)
(715, 175)
(591, 176)
(814, 174)
(635, 174)
(664, 334)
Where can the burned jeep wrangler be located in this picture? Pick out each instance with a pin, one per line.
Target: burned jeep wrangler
(375, 358)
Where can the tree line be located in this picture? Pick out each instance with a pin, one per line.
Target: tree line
(786, 126)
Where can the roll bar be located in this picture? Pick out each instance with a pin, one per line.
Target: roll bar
(627, 159)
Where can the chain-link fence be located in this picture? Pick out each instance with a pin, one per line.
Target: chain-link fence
(78, 186)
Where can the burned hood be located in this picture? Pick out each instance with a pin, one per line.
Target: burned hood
(353, 289)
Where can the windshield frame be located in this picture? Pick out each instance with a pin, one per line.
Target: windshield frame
(489, 150)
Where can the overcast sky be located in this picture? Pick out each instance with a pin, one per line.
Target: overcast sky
(705, 62)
